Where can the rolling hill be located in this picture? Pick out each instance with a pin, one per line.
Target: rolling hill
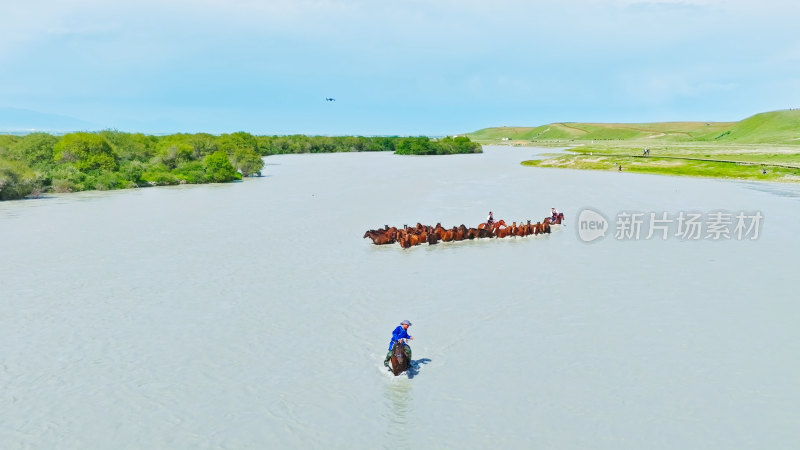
(776, 127)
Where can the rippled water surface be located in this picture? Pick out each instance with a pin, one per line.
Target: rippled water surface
(254, 315)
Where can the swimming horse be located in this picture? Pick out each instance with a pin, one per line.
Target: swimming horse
(401, 357)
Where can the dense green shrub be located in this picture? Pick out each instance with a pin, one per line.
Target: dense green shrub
(112, 159)
(86, 151)
(242, 151)
(172, 151)
(203, 144)
(247, 161)
(35, 149)
(461, 144)
(219, 169)
(131, 146)
(6, 142)
(132, 171)
(159, 177)
(414, 146)
(107, 181)
(16, 180)
(239, 140)
(445, 146)
(275, 145)
(61, 185)
(193, 172)
(67, 178)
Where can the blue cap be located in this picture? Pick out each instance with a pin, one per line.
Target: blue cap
(405, 322)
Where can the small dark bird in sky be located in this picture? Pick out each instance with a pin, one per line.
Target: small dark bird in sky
(328, 99)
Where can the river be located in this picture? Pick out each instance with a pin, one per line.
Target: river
(254, 315)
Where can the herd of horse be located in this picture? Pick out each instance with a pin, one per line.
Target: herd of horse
(410, 236)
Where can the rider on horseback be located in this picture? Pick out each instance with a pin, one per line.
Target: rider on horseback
(401, 332)
(490, 219)
(555, 214)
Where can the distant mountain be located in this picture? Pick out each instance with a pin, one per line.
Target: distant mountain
(26, 120)
(776, 127)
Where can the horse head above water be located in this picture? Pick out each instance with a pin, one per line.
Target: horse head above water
(400, 359)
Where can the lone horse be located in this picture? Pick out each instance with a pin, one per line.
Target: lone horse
(401, 357)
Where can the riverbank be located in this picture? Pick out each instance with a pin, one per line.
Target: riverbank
(763, 147)
(743, 162)
(41, 163)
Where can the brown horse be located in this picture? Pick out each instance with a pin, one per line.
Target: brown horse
(527, 229)
(503, 232)
(401, 357)
(512, 230)
(521, 231)
(381, 237)
(439, 231)
(498, 224)
(546, 225)
(448, 235)
(492, 226)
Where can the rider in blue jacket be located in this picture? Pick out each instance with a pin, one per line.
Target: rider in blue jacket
(401, 332)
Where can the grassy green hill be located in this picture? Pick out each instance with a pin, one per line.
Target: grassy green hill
(764, 147)
(777, 127)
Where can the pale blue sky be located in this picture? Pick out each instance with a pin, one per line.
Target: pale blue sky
(396, 67)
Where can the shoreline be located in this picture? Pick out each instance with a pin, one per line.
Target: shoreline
(669, 165)
(724, 162)
(762, 147)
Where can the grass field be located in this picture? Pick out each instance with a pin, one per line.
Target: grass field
(738, 150)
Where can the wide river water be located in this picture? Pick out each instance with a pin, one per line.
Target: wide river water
(254, 315)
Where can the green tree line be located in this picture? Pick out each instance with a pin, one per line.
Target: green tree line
(110, 159)
(274, 145)
(444, 146)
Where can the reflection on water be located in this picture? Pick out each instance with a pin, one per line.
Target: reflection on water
(783, 190)
(398, 408)
(254, 315)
